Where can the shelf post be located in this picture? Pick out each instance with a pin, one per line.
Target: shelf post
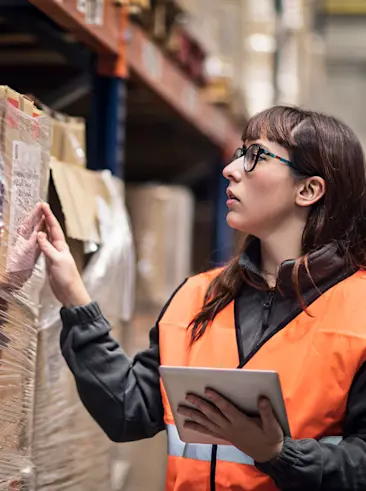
(106, 124)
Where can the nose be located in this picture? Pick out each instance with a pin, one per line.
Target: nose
(234, 170)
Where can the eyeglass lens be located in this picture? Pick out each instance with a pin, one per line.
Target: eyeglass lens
(251, 157)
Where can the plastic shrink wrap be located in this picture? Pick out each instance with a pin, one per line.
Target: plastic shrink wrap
(24, 159)
(70, 451)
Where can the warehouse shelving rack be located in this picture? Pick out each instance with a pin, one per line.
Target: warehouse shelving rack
(146, 119)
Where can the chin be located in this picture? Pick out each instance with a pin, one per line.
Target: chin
(235, 221)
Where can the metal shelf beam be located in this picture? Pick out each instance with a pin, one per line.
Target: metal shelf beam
(104, 39)
(156, 70)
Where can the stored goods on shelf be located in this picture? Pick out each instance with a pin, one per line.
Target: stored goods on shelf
(68, 142)
(70, 451)
(24, 170)
(162, 222)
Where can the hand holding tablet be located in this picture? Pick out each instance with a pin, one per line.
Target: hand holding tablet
(241, 391)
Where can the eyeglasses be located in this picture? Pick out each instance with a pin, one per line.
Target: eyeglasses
(254, 153)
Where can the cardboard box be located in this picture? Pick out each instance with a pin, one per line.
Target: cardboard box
(70, 451)
(162, 222)
(24, 162)
(74, 196)
(68, 142)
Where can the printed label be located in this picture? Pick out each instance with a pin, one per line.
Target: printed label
(81, 6)
(25, 193)
(94, 12)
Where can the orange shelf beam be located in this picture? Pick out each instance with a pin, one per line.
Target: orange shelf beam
(104, 39)
(150, 64)
(141, 55)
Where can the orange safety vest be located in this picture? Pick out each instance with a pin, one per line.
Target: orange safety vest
(316, 357)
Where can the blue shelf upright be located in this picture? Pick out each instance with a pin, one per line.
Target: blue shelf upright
(106, 125)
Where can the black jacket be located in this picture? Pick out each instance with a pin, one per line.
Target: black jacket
(123, 395)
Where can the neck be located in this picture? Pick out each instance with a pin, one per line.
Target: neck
(277, 249)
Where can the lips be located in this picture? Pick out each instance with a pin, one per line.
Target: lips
(231, 195)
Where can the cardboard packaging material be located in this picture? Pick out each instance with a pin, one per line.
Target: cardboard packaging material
(75, 188)
(75, 194)
(128, 471)
(162, 222)
(68, 142)
(24, 170)
(71, 453)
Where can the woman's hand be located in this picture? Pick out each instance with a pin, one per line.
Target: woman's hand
(260, 438)
(64, 277)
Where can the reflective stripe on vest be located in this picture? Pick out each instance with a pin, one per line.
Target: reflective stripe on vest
(226, 453)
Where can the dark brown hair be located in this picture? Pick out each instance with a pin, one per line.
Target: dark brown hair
(318, 145)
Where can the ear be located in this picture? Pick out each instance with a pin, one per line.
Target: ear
(310, 191)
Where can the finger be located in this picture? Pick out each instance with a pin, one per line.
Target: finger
(226, 407)
(191, 425)
(55, 230)
(269, 421)
(197, 417)
(40, 225)
(47, 248)
(48, 230)
(209, 410)
(36, 214)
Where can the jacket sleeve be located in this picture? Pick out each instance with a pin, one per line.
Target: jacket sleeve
(308, 464)
(121, 394)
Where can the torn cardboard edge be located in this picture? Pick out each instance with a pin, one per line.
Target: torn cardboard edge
(79, 191)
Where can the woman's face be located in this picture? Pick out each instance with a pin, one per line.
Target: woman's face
(264, 198)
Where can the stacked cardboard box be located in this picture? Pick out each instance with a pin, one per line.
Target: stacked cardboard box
(68, 142)
(70, 450)
(217, 26)
(24, 169)
(162, 222)
(48, 440)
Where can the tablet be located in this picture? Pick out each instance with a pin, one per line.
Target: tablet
(242, 387)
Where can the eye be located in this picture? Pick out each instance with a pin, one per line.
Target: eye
(262, 154)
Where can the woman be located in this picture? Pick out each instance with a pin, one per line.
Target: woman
(293, 302)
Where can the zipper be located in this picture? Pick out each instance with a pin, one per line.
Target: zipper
(267, 307)
(213, 468)
(266, 314)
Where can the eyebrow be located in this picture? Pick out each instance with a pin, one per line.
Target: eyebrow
(261, 145)
(265, 147)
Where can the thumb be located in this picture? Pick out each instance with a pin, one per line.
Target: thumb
(46, 247)
(269, 421)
